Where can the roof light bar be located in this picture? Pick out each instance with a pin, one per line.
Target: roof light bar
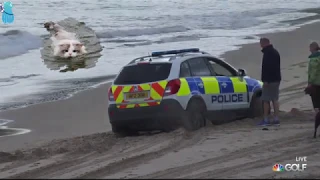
(160, 53)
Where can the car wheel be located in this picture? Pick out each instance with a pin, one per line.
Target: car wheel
(256, 107)
(195, 115)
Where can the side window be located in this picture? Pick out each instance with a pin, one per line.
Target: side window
(220, 70)
(185, 70)
(199, 67)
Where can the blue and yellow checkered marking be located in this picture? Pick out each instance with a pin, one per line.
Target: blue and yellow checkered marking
(200, 85)
(217, 85)
(211, 85)
(193, 86)
(203, 85)
(226, 85)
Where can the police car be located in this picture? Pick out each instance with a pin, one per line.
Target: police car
(184, 87)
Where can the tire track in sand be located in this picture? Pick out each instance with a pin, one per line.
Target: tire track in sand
(71, 160)
(71, 147)
(293, 87)
(106, 158)
(101, 164)
(27, 170)
(186, 169)
(112, 168)
(260, 163)
(292, 96)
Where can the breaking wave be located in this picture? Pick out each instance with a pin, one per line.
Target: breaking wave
(16, 42)
(144, 31)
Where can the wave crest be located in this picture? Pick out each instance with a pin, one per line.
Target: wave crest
(140, 32)
(17, 42)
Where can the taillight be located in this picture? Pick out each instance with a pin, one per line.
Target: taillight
(173, 87)
(110, 95)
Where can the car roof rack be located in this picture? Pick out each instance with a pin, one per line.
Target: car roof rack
(172, 53)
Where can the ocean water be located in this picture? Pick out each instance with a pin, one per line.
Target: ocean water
(127, 29)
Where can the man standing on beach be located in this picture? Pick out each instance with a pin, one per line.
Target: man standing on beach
(271, 77)
(314, 76)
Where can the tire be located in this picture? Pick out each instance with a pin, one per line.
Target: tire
(195, 115)
(122, 131)
(256, 107)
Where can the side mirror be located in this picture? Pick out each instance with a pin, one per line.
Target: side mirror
(242, 72)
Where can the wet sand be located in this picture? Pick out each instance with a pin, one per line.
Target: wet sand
(75, 142)
(82, 114)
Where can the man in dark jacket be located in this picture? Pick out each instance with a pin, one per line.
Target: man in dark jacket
(271, 77)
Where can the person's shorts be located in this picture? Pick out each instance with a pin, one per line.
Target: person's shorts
(270, 92)
(315, 97)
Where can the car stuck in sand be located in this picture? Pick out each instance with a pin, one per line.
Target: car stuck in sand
(184, 87)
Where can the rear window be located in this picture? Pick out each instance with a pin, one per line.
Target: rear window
(143, 73)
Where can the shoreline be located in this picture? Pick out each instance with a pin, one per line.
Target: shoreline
(60, 121)
(56, 94)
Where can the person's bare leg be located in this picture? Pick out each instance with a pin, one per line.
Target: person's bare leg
(275, 104)
(266, 109)
(276, 108)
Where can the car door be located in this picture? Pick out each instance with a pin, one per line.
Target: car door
(233, 88)
(203, 83)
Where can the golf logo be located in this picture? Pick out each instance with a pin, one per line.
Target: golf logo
(278, 168)
(299, 165)
(7, 13)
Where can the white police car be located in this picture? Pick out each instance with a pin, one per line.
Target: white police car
(180, 87)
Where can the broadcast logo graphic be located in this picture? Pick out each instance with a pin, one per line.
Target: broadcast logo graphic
(278, 168)
(7, 14)
(293, 167)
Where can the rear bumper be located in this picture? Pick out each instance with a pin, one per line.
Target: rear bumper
(168, 113)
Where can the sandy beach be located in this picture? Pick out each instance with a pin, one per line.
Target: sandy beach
(72, 139)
